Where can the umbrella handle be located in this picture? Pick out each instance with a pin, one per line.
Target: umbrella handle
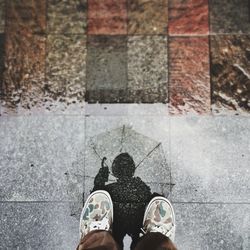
(103, 162)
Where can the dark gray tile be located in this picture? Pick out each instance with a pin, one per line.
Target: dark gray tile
(212, 226)
(230, 16)
(148, 68)
(210, 159)
(106, 69)
(2, 15)
(67, 18)
(37, 226)
(41, 158)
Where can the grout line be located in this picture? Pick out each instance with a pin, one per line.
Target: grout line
(210, 203)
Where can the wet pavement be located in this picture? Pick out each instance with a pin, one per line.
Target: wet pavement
(136, 97)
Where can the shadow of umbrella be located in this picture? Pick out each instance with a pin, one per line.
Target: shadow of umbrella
(124, 153)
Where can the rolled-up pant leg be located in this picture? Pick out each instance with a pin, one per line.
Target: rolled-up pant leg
(98, 240)
(155, 241)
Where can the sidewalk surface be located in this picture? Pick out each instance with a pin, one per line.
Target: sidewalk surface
(166, 81)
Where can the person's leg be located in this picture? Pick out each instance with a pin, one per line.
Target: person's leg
(96, 223)
(158, 226)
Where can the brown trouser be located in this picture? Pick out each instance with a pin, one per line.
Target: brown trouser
(103, 240)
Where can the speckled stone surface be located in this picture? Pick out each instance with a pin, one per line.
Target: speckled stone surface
(41, 158)
(67, 17)
(189, 77)
(230, 73)
(2, 15)
(147, 17)
(147, 68)
(25, 70)
(229, 16)
(106, 68)
(66, 68)
(212, 226)
(210, 159)
(2, 38)
(188, 17)
(23, 16)
(107, 17)
(37, 225)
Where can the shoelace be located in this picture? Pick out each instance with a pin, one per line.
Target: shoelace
(99, 225)
(167, 230)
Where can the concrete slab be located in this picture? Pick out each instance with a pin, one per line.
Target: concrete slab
(37, 226)
(41, 158)
(212, 226)
(210, 159)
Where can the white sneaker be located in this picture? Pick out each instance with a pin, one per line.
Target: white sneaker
(159, 217)
(97, 213)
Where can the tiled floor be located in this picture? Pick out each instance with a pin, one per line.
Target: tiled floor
(173, 80)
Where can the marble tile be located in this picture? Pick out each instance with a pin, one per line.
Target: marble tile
(37, 225)
(66, 68)
(148, 68)
(2, 39)
(67, 17)
(147, 17)
(25, 70)
(2, 15)
(106, 69)
(230, 73)
(189, 77)
(229, 16)
(26, 16)
(188, 17)
(210, 159)
(212, 226)
(41, 158)
(107, 17)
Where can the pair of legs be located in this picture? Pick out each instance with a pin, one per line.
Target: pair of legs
(158, 229)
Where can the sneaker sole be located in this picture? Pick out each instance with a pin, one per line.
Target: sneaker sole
(87, 201)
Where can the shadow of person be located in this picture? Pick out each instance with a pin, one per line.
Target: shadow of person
(130, 195)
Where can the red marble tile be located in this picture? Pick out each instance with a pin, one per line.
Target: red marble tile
(189, 75)
(107, 17)
(24, 73)
(188, 17)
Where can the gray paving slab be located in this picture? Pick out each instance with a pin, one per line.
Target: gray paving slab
(210, 158)
(37, 226)
(212, 226)
(41, 158)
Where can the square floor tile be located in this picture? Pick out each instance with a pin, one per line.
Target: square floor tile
(230, 73)
(2, 39)
(147, 17)
(26, 16)
(67, 17)
(210, 159)
(34, 225)
(2, 15)
(148, 68)
(41, 158)
(212, 226)
(25, 70)
(189, 78)
(188, 17)
(107, 17)
(106, 68)
(230, 16)
(66, 68)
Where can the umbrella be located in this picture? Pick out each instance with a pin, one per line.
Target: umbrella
(148, 154)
